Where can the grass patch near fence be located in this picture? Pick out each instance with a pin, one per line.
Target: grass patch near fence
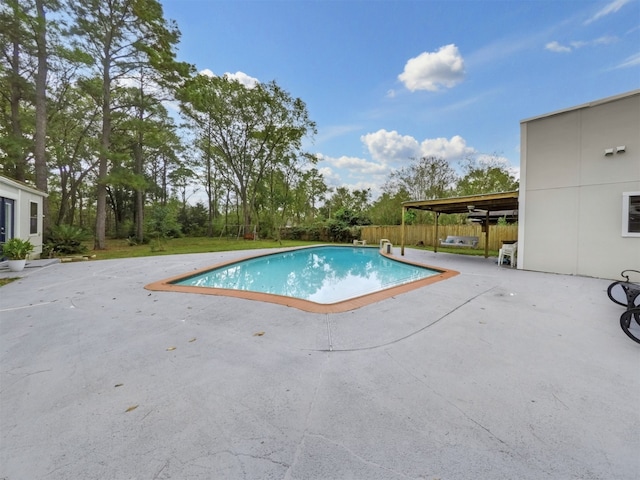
(122, 248)
(478, 252)
(119, 248)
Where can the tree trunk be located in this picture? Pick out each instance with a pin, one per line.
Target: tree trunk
(208, 185)
(139, 205)
(41, 112)
(20, 171)
(139, 170)
(100, 241)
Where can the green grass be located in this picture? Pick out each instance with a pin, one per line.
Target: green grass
(119, 248)
(478, 252)
(5, 281)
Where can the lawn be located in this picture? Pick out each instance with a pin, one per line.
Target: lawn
(478, 252)
(120, 248)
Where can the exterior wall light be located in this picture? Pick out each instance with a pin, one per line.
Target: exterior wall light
(608, 151)
(621, 149)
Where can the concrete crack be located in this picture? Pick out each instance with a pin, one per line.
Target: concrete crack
(301, 443)
(397, 340)
(560, 401)
(514, 452)
(358, 457)
(330, 340)
(449, 402)
(164, 465)
(256, 457)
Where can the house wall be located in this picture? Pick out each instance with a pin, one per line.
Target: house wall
(23, 195)
(571, 192)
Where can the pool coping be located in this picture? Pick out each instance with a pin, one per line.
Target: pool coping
(167, 285)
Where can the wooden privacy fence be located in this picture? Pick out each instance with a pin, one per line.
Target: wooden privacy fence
(426, 234)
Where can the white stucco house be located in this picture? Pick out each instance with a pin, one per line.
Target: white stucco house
(21, 213)
(579, 199)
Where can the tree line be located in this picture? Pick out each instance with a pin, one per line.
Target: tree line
(97, 110)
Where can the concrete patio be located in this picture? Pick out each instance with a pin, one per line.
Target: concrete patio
(493, 374)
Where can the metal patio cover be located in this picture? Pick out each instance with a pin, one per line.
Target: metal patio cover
(490, 202)
(486, 202)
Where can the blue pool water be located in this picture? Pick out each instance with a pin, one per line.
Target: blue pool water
(319, 274)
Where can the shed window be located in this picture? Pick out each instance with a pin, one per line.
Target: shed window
(631, 214)
(33, 219)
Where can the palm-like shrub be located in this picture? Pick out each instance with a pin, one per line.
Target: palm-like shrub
(16, 249)
(66, 240)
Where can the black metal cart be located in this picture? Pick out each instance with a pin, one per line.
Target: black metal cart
(627, 294)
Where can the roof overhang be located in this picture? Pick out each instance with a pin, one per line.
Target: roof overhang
(489, 202)
(22, 186)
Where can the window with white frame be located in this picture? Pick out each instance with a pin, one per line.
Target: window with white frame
(631, 214)
(33, 219)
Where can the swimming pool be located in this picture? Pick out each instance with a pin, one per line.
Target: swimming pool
(337, 278)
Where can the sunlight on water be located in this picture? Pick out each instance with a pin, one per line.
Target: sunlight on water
(318, 274)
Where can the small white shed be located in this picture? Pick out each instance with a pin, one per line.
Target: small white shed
(21, 213)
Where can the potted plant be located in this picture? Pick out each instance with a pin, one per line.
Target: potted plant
(17, 250)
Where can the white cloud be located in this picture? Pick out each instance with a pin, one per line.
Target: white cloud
(606, 40)
(556, 47)
(355, 164)
(330, 177)
(352, 172)
(515, 172)
(430, 71)
(241, 77)
(390, 150)
(375, 188)
(632, 61)
(485, 159)
(449, 149)
(390, 147)
(576, 44)
(610, 8)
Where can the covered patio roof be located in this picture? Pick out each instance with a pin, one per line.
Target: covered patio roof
(489, 202)
(486, 203)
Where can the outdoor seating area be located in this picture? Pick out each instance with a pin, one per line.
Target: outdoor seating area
(132, 383)
(459, 241)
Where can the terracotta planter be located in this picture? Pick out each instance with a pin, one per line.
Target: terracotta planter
(17, 265)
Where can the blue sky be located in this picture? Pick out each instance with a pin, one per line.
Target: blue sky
(386, 81)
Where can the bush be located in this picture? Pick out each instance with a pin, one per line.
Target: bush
(340, 232)
(65, 240)
(315, 232)
(161, 224)
(161, 221)
(194, 220)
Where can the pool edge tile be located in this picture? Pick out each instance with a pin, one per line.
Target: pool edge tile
(167, 285)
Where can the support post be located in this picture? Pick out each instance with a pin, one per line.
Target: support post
(436, 240)
(486, 235)
(402, 233)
